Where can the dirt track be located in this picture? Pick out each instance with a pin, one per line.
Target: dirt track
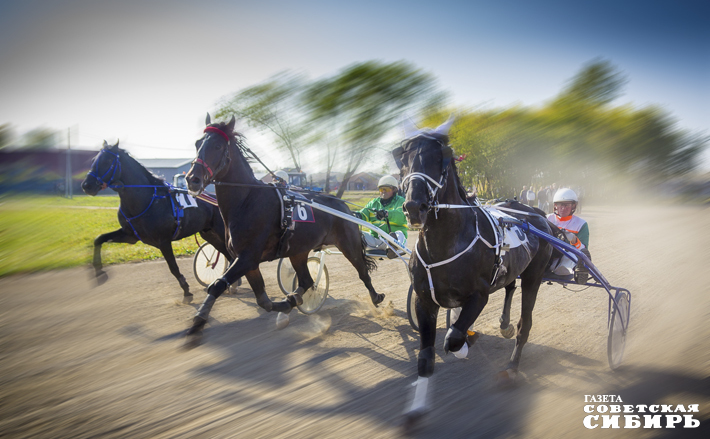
(82, 361)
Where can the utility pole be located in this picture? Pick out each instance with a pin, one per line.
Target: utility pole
(68, 190)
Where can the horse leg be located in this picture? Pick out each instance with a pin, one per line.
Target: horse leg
(166, 248)
(218, 243)
(284, 307)
(505, 328)
(305, 281)
(354, 251)
(457, 339)
(427, 312)
(529, 287)
(120, 236)
(235, 271)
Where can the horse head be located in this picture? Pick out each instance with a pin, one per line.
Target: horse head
(213, 159)
(105, 169)
(423, 161)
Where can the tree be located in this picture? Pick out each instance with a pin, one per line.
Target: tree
(6, 135)
(274, 107)
(598, 83)
(40, 138)
(364, 101)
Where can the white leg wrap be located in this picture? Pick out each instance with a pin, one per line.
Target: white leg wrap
(463, 352)
(419, 403)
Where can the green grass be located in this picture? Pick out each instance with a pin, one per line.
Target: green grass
(44, 233)
(359, 198)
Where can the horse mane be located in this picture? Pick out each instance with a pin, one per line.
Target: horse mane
(239, 140)
(152, 178)
(459, 186)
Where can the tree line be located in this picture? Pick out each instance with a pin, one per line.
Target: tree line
(579, 137)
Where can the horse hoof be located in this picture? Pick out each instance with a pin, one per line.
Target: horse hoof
(187, 299)
(294, 299)
(412, 420)
(378, 299)
(282, 321)
(101, 277)
(506, 378)
(508, 332)
(193, 340)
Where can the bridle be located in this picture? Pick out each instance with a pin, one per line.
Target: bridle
(113, 169)
(224, 161)
(432, 184)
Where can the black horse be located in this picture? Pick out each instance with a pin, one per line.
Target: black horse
(252, 211)
(461, 256)
(149, 211)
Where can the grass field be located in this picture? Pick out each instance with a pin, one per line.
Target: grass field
(42, 233)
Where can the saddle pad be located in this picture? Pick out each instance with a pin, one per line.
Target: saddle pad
(513, 237)
(185, 200)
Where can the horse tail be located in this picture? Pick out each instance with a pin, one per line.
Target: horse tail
(370, 262)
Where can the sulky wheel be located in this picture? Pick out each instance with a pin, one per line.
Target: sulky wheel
(314, 298)
(208, 264)
(284, 275)
(618, 327)
(411, 308)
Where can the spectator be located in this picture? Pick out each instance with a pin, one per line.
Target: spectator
(531, 196)
(542, 199)
(523, 198)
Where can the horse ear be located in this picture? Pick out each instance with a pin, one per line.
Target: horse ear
(208, 120)
(105, 144)
(443, 129)
(115, 147)
(231, 123)
(410, 128)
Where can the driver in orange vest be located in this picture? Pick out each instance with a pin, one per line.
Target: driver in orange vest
(576, 230)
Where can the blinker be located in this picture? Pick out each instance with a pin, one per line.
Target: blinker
(397, 154)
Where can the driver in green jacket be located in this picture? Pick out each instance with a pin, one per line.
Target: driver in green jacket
(386, 213)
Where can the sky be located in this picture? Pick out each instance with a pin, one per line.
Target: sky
(147, 72)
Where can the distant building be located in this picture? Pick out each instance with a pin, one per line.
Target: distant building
(42, 170)
(295, 176)
(167, 168)
(364, 181)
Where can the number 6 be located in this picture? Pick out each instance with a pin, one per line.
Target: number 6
(302, 213)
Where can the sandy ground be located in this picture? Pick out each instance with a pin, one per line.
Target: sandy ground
(79, 360)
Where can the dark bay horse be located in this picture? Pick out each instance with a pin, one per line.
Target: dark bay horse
(149, 211)
(461, 256)
(252, 212)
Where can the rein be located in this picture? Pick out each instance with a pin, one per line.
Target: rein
(116, 167)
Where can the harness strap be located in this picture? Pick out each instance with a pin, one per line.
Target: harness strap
(175, 209)
(428, 267)
(135, 232)
(199, 161)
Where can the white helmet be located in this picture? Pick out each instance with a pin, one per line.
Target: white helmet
(282, 175)
(388, 180)
(563, 195)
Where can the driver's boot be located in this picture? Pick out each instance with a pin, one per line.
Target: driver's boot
(581, 273)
